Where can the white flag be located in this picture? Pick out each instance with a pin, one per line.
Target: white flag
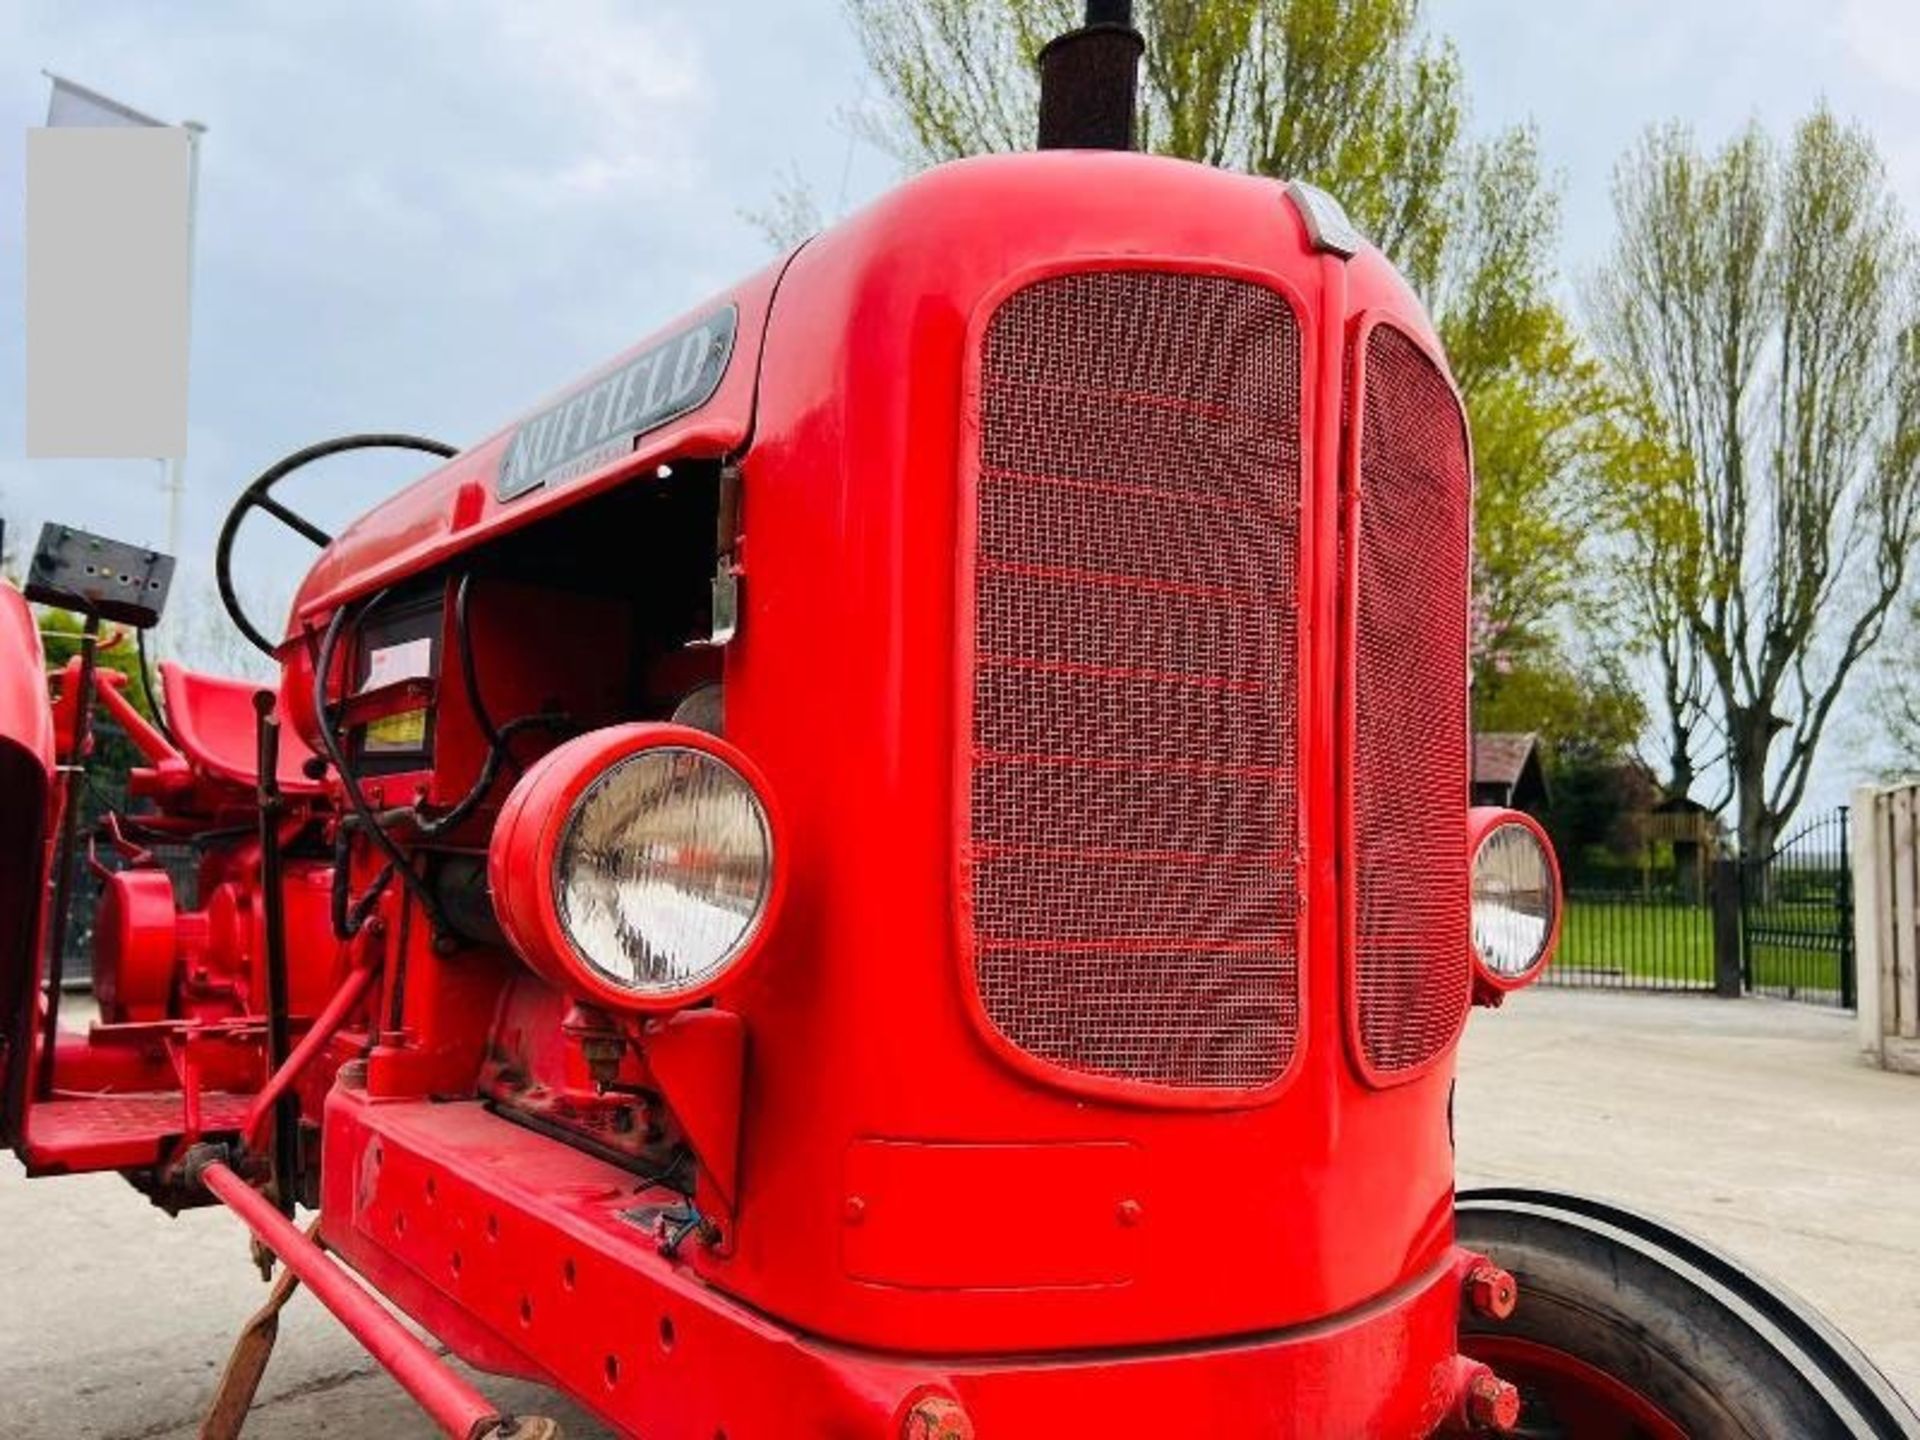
(72, 104)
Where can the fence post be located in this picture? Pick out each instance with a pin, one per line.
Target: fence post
(1903, 974)
(1725, 890)
(1872, 867)
(1843, 905)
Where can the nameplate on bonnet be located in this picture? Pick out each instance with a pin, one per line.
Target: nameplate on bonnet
(599, 422)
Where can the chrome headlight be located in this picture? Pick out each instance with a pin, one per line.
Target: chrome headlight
(1516, 897)
(636, 866)
(663, 870)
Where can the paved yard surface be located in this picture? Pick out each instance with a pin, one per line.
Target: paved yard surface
(1747, 1122)
(1750, 1123)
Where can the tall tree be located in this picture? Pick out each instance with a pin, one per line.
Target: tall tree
(1348, 93)
(1357, 97)
(1542, 413)
(1894, 708)
(60, 637)
(1640, 508)
(1587, 718)
(1760, 304)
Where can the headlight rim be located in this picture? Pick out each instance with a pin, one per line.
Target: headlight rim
(524, 856)
(1482, 823)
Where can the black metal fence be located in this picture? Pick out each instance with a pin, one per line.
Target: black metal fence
(1781, 925)
(1658, 935)
(1796, 916)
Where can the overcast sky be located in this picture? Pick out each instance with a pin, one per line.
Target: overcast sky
(426, 214)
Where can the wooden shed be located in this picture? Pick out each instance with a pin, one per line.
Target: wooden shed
(1507, 771)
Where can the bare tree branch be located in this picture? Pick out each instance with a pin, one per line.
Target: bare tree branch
(1760, 305)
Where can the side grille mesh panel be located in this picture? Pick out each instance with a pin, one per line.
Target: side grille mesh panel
(1410, 709)
(1131, 855)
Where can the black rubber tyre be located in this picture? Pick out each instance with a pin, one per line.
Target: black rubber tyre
(1716, 1350)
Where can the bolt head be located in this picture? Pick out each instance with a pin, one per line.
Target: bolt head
(1492, 1292)
(937, 1417)
(1493, 1404)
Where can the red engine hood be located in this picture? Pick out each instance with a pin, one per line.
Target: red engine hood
(459, 505)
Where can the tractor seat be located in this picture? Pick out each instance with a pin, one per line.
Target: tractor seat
(213, 723)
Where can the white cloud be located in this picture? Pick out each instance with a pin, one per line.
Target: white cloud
(417, 214)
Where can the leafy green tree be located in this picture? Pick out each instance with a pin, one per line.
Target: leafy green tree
(1760, 307)
(790, 215)
(1541, 410)
(1588, 719)
(1650, 532)
(1355, 96)
(1348, 93)
(1894, 709)
(113, 754)
(60, 635)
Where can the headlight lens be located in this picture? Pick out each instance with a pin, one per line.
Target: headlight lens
(1513, 900)
(663, 870)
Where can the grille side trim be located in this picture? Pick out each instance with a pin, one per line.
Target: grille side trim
(1406, 994)
(1189, 965)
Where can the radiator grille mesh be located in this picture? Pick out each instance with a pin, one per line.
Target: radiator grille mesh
(1410, 723)
(1132, 846)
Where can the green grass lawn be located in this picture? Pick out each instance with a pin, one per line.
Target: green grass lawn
(1793, 943)
(1663, 942)
(1654, 940)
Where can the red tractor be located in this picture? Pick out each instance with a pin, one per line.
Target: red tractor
(894, 863)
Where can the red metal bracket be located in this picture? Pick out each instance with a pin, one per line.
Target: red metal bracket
(455, 1406)
(318, 1035)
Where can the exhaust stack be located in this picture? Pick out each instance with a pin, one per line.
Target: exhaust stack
(1089, 79)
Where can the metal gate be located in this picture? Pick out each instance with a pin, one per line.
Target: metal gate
(1796, 916)
(1649, 931)
(1780, 926)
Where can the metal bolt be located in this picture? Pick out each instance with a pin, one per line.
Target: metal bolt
(1129, 1212)
(937, 1417)
(856, 1210)
(1493, 1404)
(1491, 1291)
(602, 1053)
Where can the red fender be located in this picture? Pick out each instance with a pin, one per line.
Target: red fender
(26, 824)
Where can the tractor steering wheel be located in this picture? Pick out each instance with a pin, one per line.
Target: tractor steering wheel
(259, 496)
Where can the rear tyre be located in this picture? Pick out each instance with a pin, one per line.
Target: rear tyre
(1628, 1329)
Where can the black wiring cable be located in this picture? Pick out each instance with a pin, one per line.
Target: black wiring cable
(470, 677)
(350, 784)
(431, 826)
(146, 688)
(349, 919)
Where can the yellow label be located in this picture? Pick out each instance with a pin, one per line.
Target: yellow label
(405, 731)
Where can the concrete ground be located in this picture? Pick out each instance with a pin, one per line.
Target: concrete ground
(1749, 1123)
(1753, 1124)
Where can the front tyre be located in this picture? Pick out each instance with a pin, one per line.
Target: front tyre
(1628, 1329)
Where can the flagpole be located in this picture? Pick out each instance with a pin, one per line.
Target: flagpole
(173, 468)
